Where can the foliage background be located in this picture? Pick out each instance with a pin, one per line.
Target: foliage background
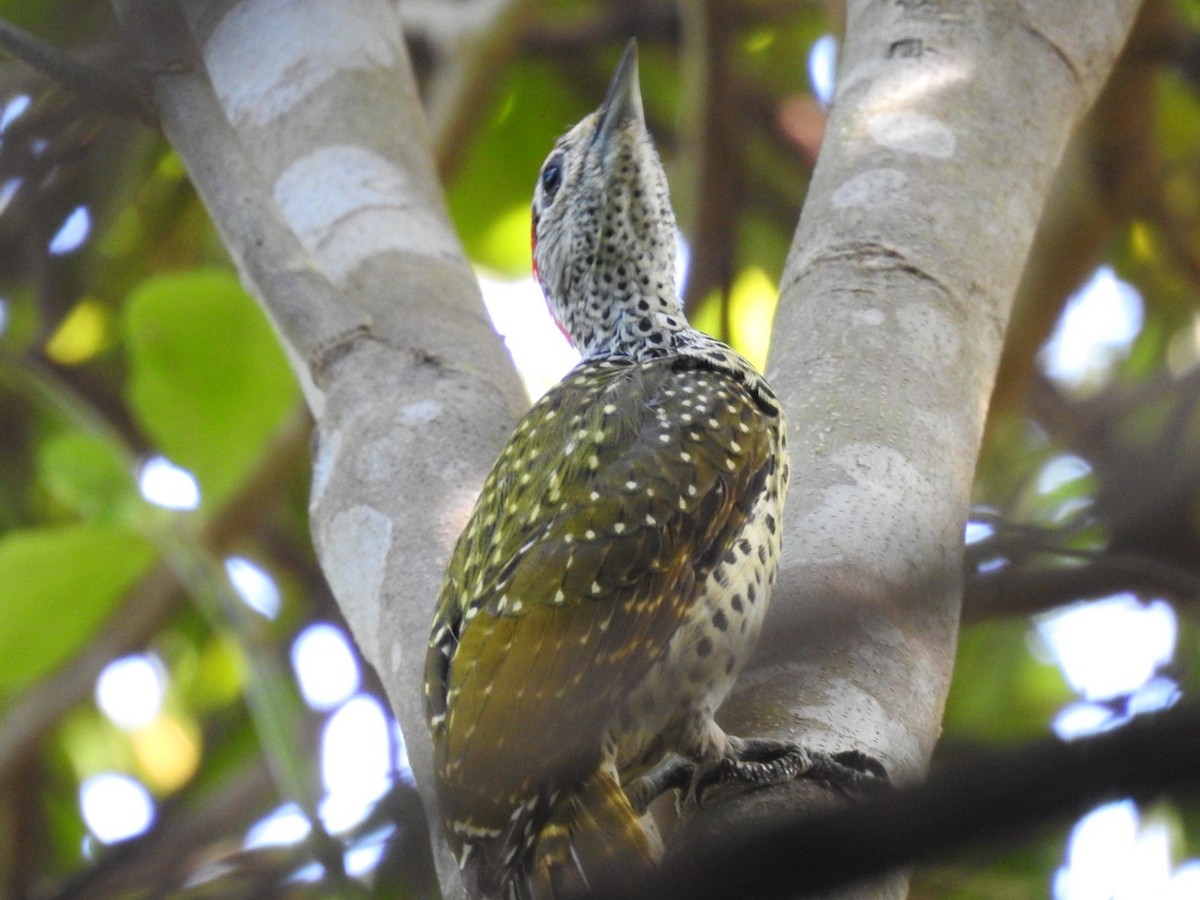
(139, 342)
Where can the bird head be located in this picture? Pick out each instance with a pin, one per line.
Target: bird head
(603, 228)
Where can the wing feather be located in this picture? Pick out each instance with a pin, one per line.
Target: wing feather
(544, 628)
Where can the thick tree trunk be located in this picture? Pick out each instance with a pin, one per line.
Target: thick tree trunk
(949, 121)
(312, 155)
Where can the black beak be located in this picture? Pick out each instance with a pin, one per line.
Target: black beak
(623, 103)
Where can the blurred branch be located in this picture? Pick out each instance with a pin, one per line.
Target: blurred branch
(607, 23)
(1018, 591)
(1100, 184)
(270, 692)
(313, 319)
(711, 150)
(27, 720)
(157, 596)
(251, 872)
(460, 48)
(481, 41)
(22, 819)
(997, 794)
(43, 386)
(1139, 440)
(156, 862)
(100, 79)
(191, 560)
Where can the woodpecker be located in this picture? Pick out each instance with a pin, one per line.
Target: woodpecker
(614, 573)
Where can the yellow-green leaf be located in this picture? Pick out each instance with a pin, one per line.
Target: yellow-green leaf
(208, 381)
(56, 586)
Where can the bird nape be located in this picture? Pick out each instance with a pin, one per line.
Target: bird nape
(615, 570)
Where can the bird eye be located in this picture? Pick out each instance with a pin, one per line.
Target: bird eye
(552, 178)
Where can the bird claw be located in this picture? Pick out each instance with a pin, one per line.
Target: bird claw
(858, 771)
(674, 773)
(760, 762)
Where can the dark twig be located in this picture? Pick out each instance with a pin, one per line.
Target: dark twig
(94, 81)
(1026, 591)
(156, 862)
(1041, 572)
(1016, 591)
(998, 794)
(715, 152)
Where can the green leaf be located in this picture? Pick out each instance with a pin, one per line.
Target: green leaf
(56, 586)
(1000, 693)
(208, 381)
(489, 200)
(88, 475)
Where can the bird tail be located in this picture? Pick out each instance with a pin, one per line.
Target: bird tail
(592, 843)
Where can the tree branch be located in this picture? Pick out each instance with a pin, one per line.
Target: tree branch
(999, 794)
(185, 827)
(1105, 178)
(100, 80)
(313, 157)
(263, 244)
(1024, 591)
(712, 147)
(893, 306)
(465, 78)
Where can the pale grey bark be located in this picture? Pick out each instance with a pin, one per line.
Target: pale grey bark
(301, 128)
(312, 155)
(949, 121)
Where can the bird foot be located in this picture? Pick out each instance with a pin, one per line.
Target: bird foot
(760, 762)
(673, 773)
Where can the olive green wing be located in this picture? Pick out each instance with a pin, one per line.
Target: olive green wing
(579, 563)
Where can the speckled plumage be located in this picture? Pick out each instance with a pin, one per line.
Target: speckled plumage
(614, 573)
